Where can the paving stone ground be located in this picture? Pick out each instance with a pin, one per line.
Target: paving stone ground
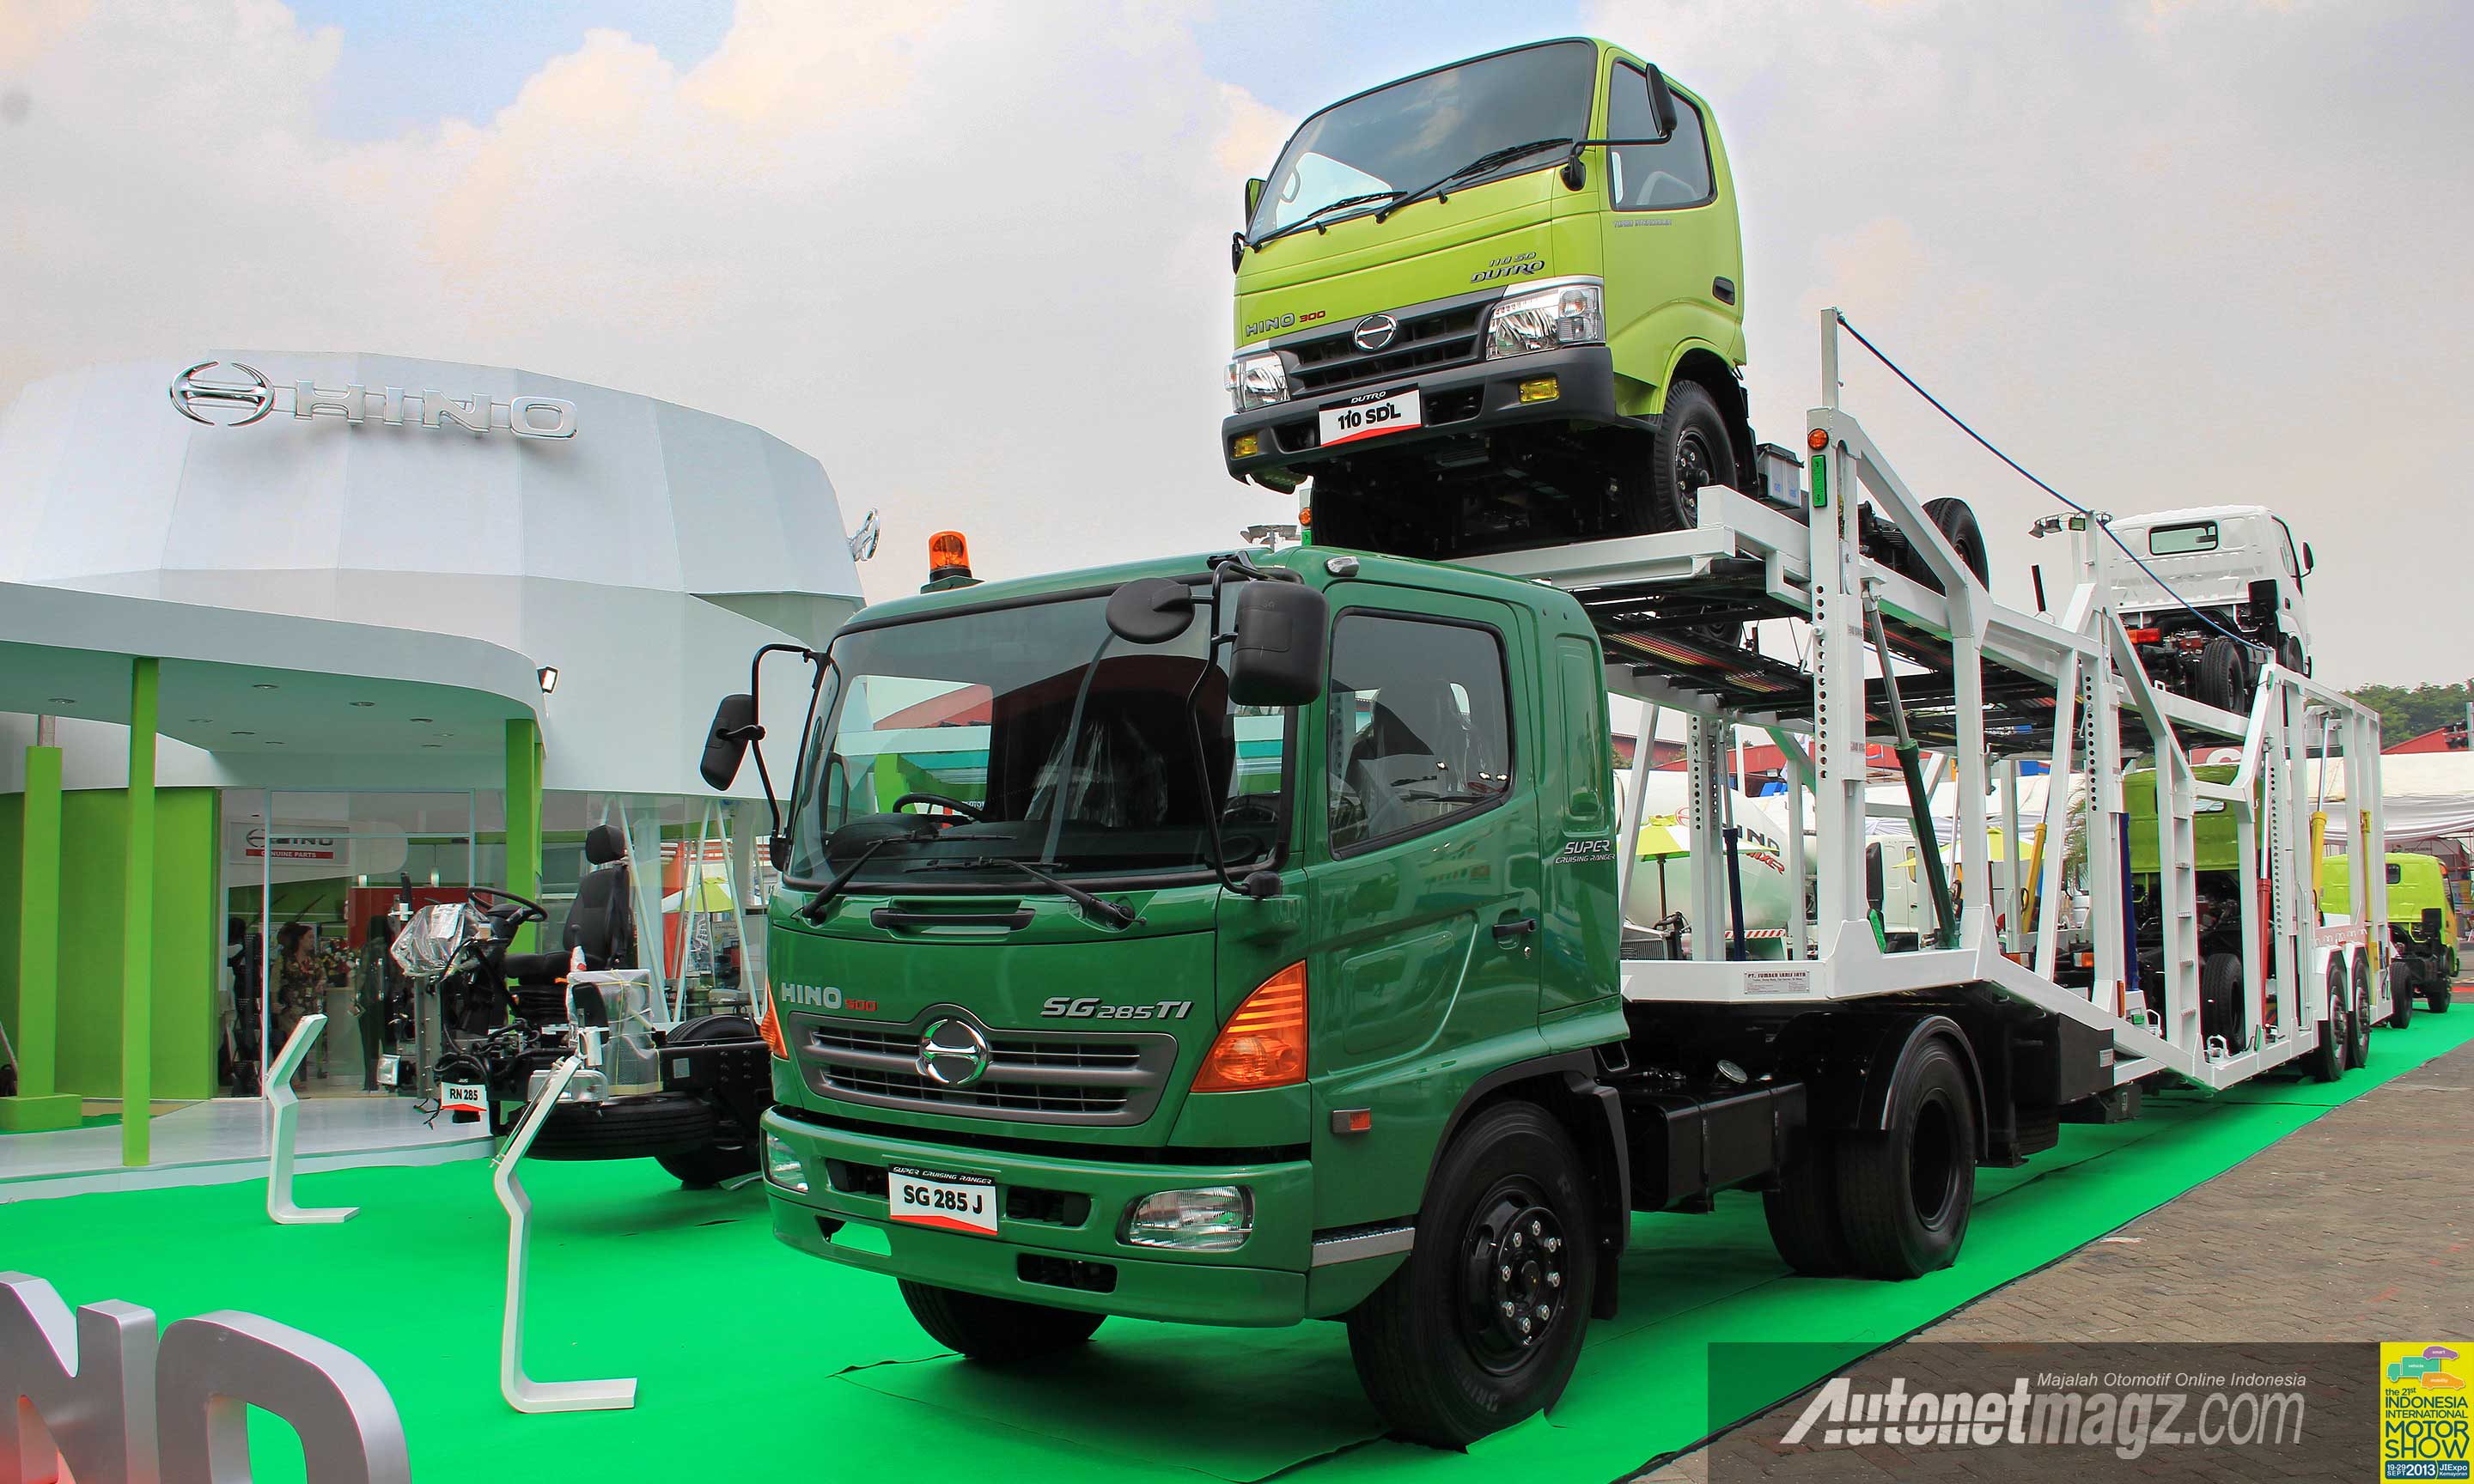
(2355, 1227)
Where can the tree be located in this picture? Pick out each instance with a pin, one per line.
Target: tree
(2410, 713)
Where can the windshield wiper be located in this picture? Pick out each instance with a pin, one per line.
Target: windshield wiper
(1478, 166)
(828, 892)
(1092, 907)
(1314, 217)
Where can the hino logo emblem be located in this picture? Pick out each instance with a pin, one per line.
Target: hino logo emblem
(1374, 331)
(526, 416)
(953, 1053)
(189, 393)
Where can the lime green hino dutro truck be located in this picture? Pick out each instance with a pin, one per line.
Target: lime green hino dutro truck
(1497, 304)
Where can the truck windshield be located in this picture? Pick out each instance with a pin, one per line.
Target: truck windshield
(1064, 747)
(1404, 135)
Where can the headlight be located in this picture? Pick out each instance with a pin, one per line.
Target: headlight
(1257, 380)
(1212, 1218)
(782, 1167)
(1575, 314)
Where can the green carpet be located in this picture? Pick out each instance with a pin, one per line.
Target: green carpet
(758, 1364)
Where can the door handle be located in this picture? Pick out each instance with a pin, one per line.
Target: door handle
(1724, 289)
(1512, 930)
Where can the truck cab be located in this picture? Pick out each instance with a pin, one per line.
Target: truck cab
(2237, 572)
(1494, 304)
(1106, 980)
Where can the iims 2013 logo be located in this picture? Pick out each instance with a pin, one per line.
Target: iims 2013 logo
(2424, 1413)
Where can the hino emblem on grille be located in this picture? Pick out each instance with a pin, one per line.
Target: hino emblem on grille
(1374, 331)
(953, 1053)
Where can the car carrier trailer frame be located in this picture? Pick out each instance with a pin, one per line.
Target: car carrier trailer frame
(1989, 686)
(1176, 1123)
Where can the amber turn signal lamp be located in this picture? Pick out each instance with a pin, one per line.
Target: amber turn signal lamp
(1264, 1044)
(770, 1029)
(1817, 440)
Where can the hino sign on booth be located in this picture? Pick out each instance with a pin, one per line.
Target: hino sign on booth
(202, 399)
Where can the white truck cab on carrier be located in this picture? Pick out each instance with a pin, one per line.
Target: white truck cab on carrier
(2235, 566)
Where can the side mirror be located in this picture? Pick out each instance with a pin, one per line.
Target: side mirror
(1150, 610)
(1278, 656)
(1254, 195)
(1661, 105)
(2308, 560)
(725, 746)
(777, 850)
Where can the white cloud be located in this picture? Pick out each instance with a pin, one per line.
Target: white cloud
(972, 259)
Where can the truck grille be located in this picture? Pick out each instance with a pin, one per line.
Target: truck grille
(1033, 1076)
(1443, 336)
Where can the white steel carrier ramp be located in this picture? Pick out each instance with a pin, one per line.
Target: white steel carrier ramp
(1987, 686)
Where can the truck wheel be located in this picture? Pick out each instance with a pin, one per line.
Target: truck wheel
(732, 1153)
(1802, 1211)
(626, 1128)
(2400, 995)
(997, 1331)
(2221, 1007)
(2362, 1039)
(2437, 993)
(2224, 676)
(2328, 1059)
(1482, 1325)
(1957, 525)
(1905, 1191)
(1692, 450)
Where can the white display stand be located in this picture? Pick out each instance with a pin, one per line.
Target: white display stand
(281, 1097)
(523, 1393)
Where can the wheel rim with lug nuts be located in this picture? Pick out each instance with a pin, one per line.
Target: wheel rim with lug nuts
(1517, 1261)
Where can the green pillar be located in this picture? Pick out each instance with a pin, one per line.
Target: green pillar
(137, 938)
(523, 816)
(39, 1103)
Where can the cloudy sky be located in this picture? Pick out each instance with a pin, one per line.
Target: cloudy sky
(973, 257)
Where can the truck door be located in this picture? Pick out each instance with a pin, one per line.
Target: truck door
(1427, 908)
(1577, 819)
(1674, 259)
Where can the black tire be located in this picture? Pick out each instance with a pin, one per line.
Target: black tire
(2220, 1006)
(2362, 1042)
(1905, 1191)
(994, 1331)
(2327, 1060)
(1692, 450)
(733, 1150)
(2436, 998)
(2289, 654)
(626, 1128)
(2400, 995)
(2224, 679)
(1802, 1211)
(1438, 1348)
(1957, 525)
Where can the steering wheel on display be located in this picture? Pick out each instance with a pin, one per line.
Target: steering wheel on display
(970, 812)
(533, 911)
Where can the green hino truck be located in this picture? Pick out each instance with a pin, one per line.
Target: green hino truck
(1237, 939)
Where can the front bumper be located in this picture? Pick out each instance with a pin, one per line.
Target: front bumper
(1056, 1228)
(1458, 401)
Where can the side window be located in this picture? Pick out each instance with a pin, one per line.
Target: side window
(1421, 727)
(1654, 176)
(1588, 756)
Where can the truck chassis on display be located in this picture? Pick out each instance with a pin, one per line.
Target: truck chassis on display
(1462, 1200)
